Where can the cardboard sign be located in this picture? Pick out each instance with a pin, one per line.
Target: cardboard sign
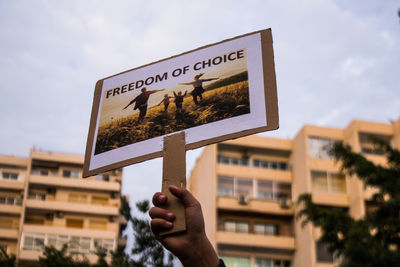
(214, 93)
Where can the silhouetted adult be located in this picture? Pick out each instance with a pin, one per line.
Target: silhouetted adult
(198, 86)
(141, 101)
(179, 99)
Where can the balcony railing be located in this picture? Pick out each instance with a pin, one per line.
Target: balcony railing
(253, 240)
(63, 206)
(58, 181)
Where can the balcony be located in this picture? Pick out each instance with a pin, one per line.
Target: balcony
(72, 207)
(330, 199)
(13, 185)
(10, 209)
(9, 233)
(75, 183)
(56, 230)
(252, 240)
(253, 205)
(259, 173)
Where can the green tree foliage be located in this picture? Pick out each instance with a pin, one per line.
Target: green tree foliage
(371, 241)
(6, 260)
(146, 251)
(53, 257)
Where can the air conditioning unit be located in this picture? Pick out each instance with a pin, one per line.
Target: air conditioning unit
(243, 200)
(285, 203)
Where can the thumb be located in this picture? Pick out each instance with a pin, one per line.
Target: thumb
(184, 195)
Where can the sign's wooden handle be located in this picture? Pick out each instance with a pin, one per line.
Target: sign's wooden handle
(174, 173)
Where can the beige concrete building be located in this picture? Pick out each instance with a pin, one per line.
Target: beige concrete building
(248, 187)
(45, 200)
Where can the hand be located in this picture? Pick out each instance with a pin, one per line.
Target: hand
(191, 247)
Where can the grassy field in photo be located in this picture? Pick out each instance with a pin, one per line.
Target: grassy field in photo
(223, 99)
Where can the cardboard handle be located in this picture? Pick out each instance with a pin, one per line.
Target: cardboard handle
(174, 173)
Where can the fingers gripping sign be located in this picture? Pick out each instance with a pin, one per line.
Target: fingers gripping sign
(192, 246)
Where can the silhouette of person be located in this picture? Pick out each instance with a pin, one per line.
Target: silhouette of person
(141, 102)
(179, 99)
(198, 86)
(166, 101)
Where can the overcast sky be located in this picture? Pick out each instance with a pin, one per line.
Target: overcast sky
(335, 61)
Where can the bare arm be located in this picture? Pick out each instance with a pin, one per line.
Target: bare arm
(187, 83)
(130, 103)
(207, 80)
(155, 91)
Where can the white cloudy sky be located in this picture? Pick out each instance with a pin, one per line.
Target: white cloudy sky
(335, 61)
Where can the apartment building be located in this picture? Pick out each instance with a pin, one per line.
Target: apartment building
(45, 201)
(248, 187)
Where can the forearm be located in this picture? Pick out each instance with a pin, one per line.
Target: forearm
(202, 254)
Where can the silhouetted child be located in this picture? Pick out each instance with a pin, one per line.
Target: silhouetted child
(179, 99)
(166, 101)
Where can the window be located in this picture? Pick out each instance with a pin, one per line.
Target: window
(10, 175)
(34, 242)
(104, 243)
(225, 186)
(282, 191)
(37, 196)
(236, 261)
(244, 187)
(236, 226)
(322, 253)
(70, 173)
(232, 160)
(74, 223)
(57, 241)
(267, 164)
(319, 147)
(328, 182)
(260, 262)
(264, 190)
(43, 172)
(265, 229)
(367, 143)
(270, 190)
(80, 244)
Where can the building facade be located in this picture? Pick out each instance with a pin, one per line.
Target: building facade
(248, 188)
(45, 201)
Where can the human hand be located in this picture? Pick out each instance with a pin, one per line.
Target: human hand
(191, 247)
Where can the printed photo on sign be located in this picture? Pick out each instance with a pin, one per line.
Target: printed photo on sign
(211, 90)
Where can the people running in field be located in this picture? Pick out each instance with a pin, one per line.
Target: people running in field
(198, 87)
(165, 100)
(141, 102)
(179, 99)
